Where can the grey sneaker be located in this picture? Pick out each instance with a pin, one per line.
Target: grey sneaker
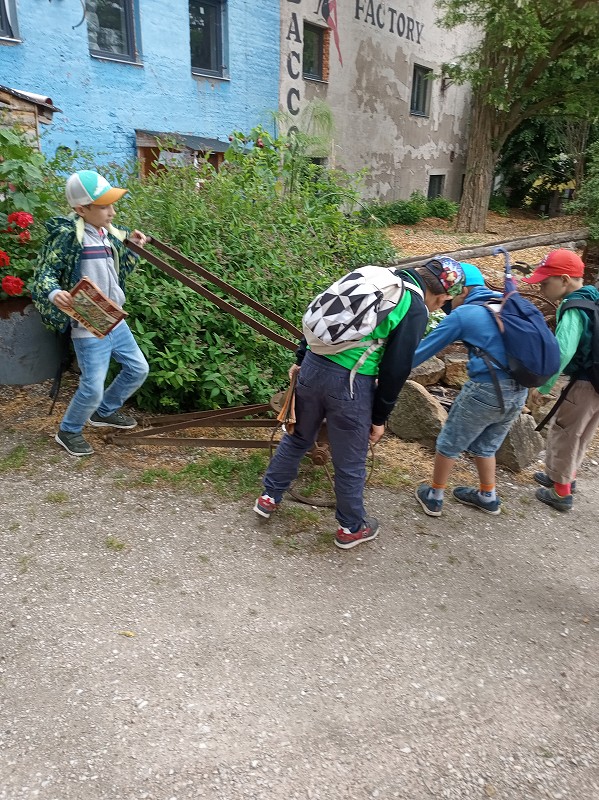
(115, 420)
(551, 498)
(430, 506)
(470, 497)
(74, 443)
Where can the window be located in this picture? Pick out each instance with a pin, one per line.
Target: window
(421, 91)
(436, 184)
(8, 20)
(314, 48)
(206, 23)
(110, 28)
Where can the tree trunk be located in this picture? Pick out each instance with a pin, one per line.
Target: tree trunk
(591, 262)
(573, 238)
(480, 169)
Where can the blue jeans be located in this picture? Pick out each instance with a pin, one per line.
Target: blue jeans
(323, 392)
(93, 356)
(476, 423)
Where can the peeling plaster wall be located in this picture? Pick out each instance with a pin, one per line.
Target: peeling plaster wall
(103, 102)
(369, 93)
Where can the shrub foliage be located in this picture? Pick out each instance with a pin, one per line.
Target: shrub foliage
(271, 223)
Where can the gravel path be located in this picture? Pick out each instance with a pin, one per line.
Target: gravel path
(160, 643)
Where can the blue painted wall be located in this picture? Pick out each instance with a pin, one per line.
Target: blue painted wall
(103, 102)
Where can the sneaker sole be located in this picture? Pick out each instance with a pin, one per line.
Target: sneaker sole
(112, 425)
(265, 514)
(425, 507)
(349, 545)
(480, 508)
(71, 452)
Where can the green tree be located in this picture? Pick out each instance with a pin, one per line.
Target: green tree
(543, 153)
(533, 57)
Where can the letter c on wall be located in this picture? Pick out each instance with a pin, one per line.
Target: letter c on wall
(293, 55)
(293, 92)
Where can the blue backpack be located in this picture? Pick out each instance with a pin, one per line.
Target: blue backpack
(531, 348)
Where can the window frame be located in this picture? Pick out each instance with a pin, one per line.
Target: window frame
(9, 28)
(321, 33)
(433, 179)
(220, 32)
(131, 56)
(421, 83)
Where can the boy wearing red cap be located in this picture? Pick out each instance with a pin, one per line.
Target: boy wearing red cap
(574, 425)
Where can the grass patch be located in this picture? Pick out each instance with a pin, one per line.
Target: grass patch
(230, 477)
(392, 477)
(57, 497)
(24, 562)
(15, 459)
(114, 544)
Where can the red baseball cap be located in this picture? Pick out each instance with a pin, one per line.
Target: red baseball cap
(557, 262)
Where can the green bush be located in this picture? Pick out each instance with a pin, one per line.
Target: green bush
(499, 204)
(441, 208)
(407, 212)
(586, 202)
(270, 223)
(27, 199)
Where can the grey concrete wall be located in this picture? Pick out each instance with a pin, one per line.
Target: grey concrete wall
(369, 89)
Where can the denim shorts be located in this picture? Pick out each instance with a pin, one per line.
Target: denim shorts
(476, 424)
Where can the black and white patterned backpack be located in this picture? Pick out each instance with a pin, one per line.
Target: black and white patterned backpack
(352, 307)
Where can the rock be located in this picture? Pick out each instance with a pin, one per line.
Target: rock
(417, 416)
(456, 374)
(429, 372)
(521, 446)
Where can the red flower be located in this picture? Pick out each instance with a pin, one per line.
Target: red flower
(21, 219)
(12, 285)
(4, 259)
(24, 236)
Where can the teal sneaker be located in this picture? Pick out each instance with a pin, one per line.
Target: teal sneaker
(430, 506)
(74, 443)
(470, 497)
(551, 498)
(115, 420)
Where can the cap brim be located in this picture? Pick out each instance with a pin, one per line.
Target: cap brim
(537, 276)
(110, 197)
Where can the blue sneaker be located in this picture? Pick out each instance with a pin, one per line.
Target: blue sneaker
(470, 497)
(551, 498)
(545, 480)
(430, 506)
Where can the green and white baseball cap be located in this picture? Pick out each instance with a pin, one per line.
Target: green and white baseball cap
(86, 187)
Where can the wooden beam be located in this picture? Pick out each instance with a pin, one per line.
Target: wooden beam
(577, 236)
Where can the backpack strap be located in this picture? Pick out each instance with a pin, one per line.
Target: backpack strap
(489, 362)
(556, 405)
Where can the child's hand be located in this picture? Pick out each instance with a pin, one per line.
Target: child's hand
(63, 300)
(138, 238)
(376, 431)
(535, 398)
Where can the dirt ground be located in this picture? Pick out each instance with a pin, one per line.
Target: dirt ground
(160, 641)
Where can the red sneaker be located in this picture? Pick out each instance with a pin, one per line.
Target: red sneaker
(369, 530)
(265, 506)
